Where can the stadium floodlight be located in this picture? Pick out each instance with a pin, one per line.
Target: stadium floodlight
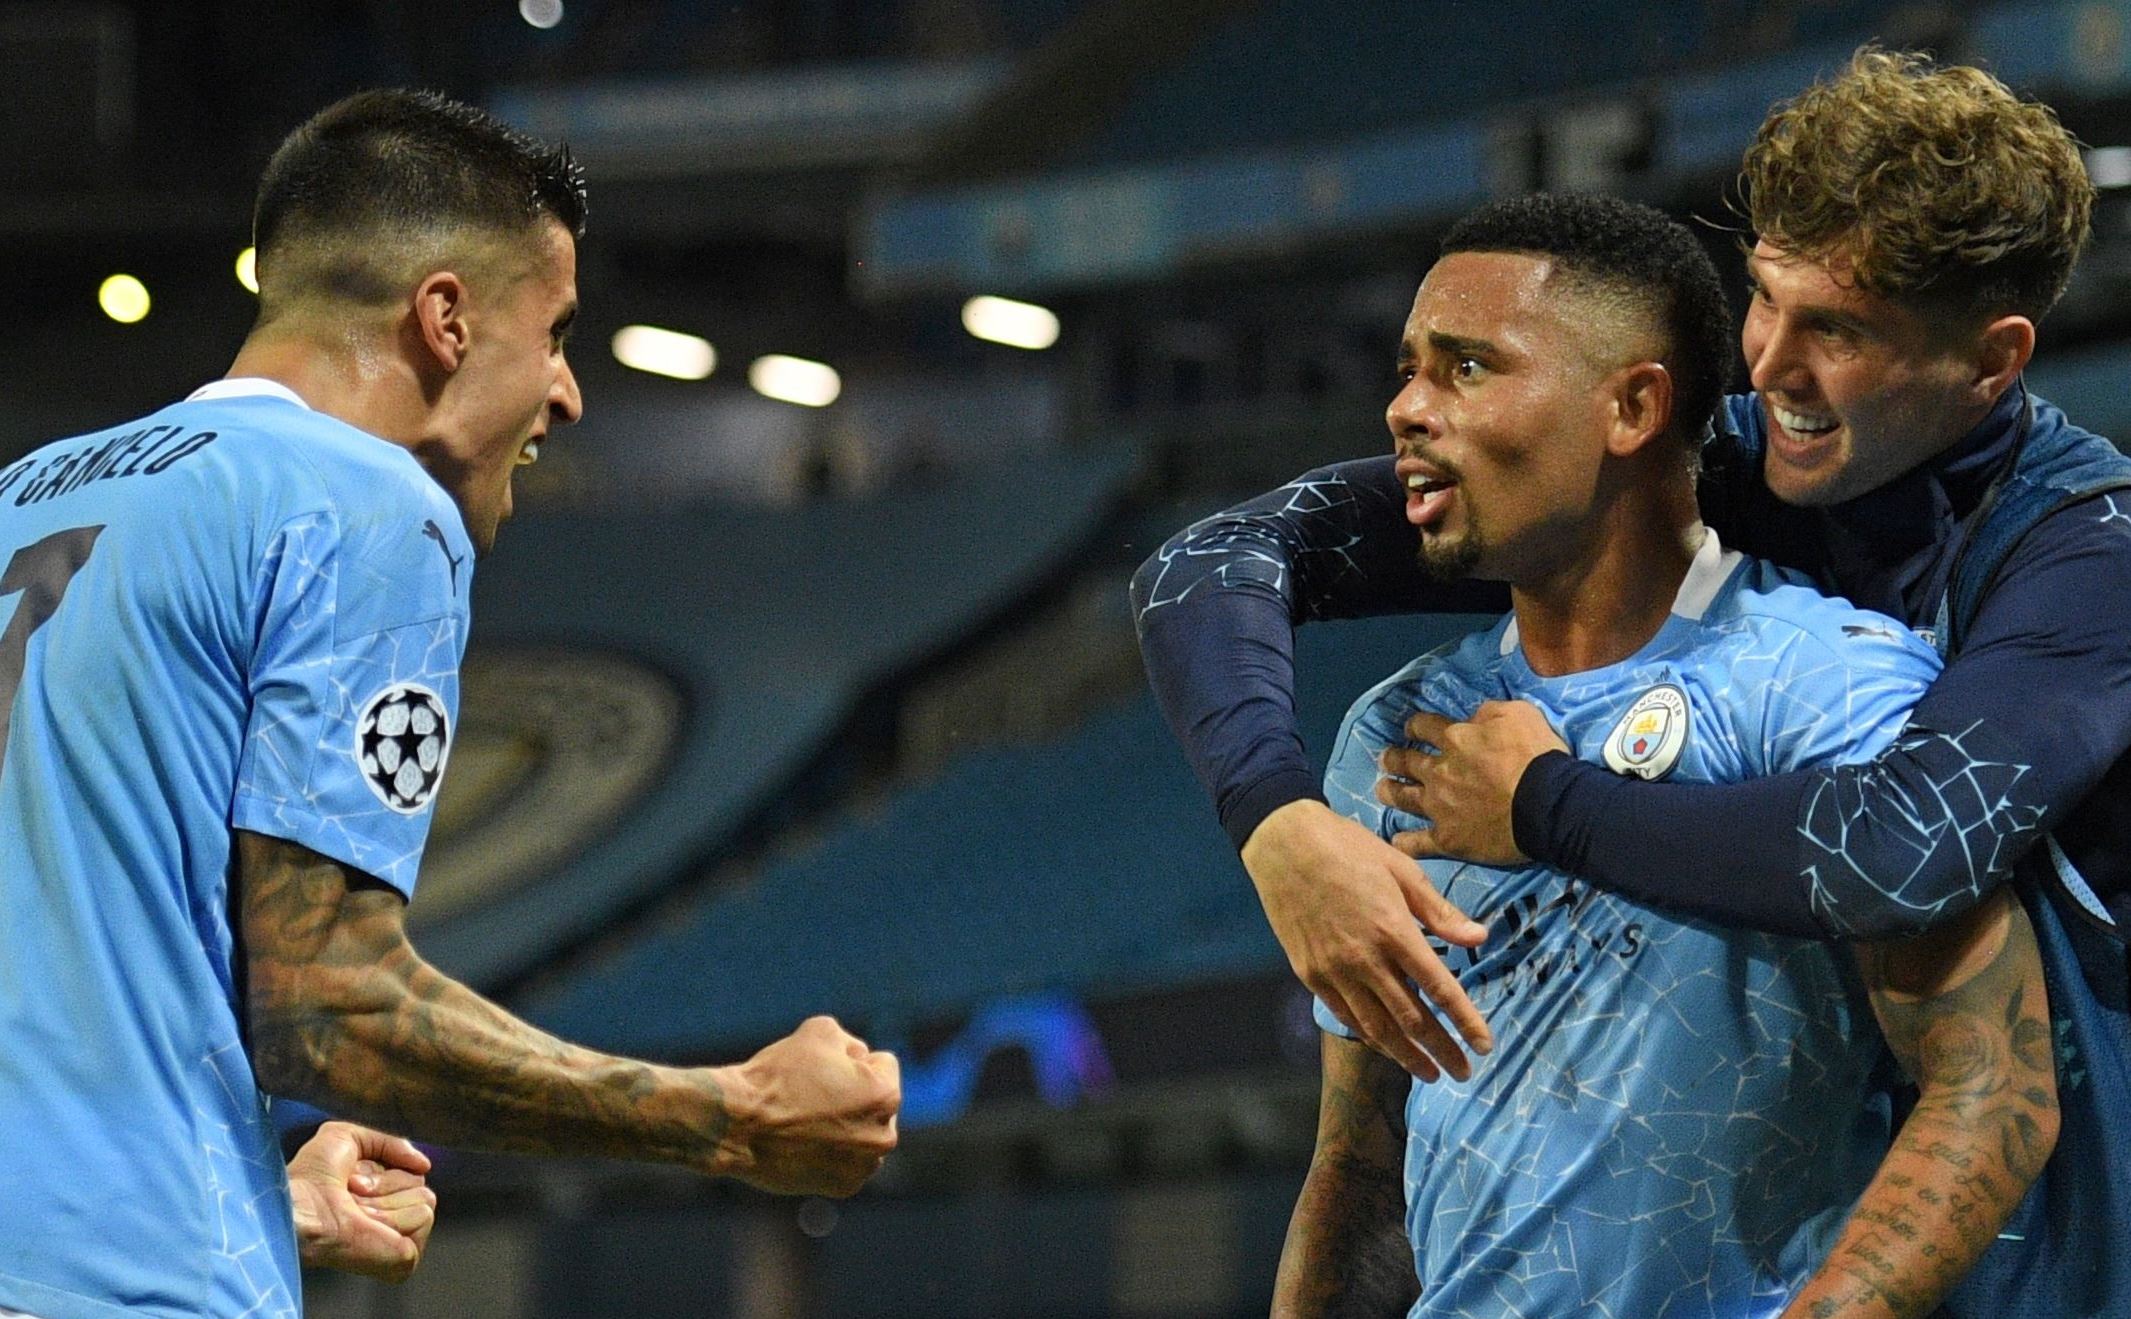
(795, 380)
(123, 298)
(1015, 324)
(2109, 167)
(248, 269)
(542, 14)
(664, 352)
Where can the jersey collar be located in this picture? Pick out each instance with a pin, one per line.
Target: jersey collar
(1712, 567)
(246, 387)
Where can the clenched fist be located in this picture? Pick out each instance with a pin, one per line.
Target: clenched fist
(812, 1114)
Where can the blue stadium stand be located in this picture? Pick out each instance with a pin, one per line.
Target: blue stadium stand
(774, 623)
(1088, 865)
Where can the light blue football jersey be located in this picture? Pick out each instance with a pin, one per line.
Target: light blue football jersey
(237, 612)
(1676, 1117)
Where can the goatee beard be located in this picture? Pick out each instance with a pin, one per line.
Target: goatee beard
(1453, 561)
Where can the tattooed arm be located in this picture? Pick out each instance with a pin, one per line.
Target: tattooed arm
(1346, 1251)
(344, 1014)
(1964, 1009)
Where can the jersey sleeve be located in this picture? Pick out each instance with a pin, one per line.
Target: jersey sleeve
(2021, 726)
(1216, 608)
(354, 689)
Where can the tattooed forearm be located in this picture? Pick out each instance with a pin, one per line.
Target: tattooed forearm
(1964, 1010)
(1346, 1252)
(345, 1014)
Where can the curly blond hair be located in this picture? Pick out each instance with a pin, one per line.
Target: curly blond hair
(1932, 184)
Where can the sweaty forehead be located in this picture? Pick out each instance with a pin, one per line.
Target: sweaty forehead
(1495, 296)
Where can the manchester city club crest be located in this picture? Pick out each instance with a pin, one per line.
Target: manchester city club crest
(1649, 738)
(401, 743)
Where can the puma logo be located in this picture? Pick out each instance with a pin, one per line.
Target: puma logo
(436, 533)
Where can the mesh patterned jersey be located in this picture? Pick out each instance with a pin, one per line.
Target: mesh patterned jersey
(1676, 1117)
(237, 612)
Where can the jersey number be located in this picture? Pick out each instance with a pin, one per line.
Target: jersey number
(40, 571)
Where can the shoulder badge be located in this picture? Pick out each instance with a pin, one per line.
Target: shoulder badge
(402, 739)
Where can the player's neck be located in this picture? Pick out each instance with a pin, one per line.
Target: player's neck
(338, 377)
(1618, 591)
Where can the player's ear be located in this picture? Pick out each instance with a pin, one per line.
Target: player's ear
(2002, 353)
(440, 318)
(1641, 401)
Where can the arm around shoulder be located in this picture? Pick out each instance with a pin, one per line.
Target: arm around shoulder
(1916, 832)
(2020, 729)
(1332, 543)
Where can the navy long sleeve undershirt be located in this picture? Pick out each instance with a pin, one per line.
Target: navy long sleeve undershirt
(1217, 606)
(2022, 726)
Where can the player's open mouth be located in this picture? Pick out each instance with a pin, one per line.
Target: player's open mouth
(1801, 438)
(1428, 497)
(529, 452)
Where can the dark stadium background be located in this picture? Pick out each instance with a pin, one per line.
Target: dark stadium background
(775, 709)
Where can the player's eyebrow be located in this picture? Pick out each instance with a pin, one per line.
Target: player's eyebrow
(1441, 344)
(1459, 345)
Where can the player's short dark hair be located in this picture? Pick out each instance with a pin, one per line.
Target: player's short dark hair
(1637, 257)
(381, 166)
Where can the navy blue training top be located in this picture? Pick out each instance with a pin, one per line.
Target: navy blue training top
(2029, 720)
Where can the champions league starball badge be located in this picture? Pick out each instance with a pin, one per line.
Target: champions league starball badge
(401, 742)
(1649, 738)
